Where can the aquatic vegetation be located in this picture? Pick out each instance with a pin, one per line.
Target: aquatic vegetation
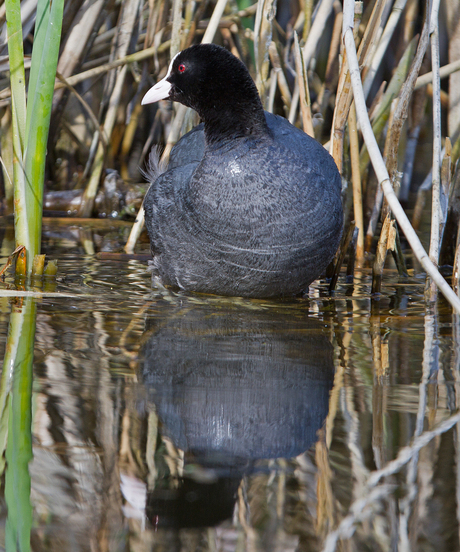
(31, 117)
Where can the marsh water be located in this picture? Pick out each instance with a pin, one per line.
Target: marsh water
(168, 421)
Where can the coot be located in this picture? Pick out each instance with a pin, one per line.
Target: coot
(250, 205)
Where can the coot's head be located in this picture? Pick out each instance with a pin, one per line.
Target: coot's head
(217, 85)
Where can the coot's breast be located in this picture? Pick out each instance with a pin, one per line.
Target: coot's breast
(256, 217)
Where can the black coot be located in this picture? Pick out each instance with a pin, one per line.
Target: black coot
(249, 206)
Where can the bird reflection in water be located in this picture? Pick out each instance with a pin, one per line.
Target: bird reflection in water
(232, 382)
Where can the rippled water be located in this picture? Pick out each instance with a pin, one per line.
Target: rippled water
(169, 421)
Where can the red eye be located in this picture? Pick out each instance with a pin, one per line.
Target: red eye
(181, 68)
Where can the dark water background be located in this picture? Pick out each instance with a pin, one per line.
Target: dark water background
(167, 421)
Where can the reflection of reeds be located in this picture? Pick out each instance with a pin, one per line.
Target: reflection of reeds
(383, 474)
(97, 121)
(16, 422)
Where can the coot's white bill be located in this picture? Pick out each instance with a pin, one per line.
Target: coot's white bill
(158, 92)
(161, 89)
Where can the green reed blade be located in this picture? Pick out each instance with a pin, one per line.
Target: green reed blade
(18, 108)
(42, 21)
(43, 72)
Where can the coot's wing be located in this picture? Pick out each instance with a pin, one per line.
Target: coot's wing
(189, 149)
(184, 157)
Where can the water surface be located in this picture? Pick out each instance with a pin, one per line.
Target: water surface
(171, 421)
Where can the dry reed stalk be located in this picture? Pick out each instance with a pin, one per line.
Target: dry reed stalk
(444, 72)
(76, 43)
(451, 237)
(129, 14)
(386, 243)
(404, 97)
(377, 213)
(228, 38)
(343, 99)
(453, 36)
(438, 201)
(154, 9)
(309, 49)
(356, 180)
(128, 138)
(263, 30)
(352, 257)
(302, 82)
(330, 79)
(388, 142)
(2, 13)
(382, 111)
(176, 28)
(340, 256)
(340, 116)
(447, 199)
(383, 44)
(399, 257)
(85, 106)
(188, 18)
(307, 12)
(282, 82)
(410, 17)
(379, 165)
(371, 35)
(418, 104)
(344, 89)
(420, 201)
(271, 92)
(446, 169)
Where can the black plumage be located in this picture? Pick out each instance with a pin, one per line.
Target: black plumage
(249, 206)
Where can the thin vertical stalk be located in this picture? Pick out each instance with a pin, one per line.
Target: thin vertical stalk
(302, 81)
(418, 112)
(383, 45)
(282, 82)
(214, 22)
(176, 27)
(356, 179)
(18, 109)
(380, 118)
(263, 30)
(386, 242)
(315, 34)
(307, 10)
(437, 215)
